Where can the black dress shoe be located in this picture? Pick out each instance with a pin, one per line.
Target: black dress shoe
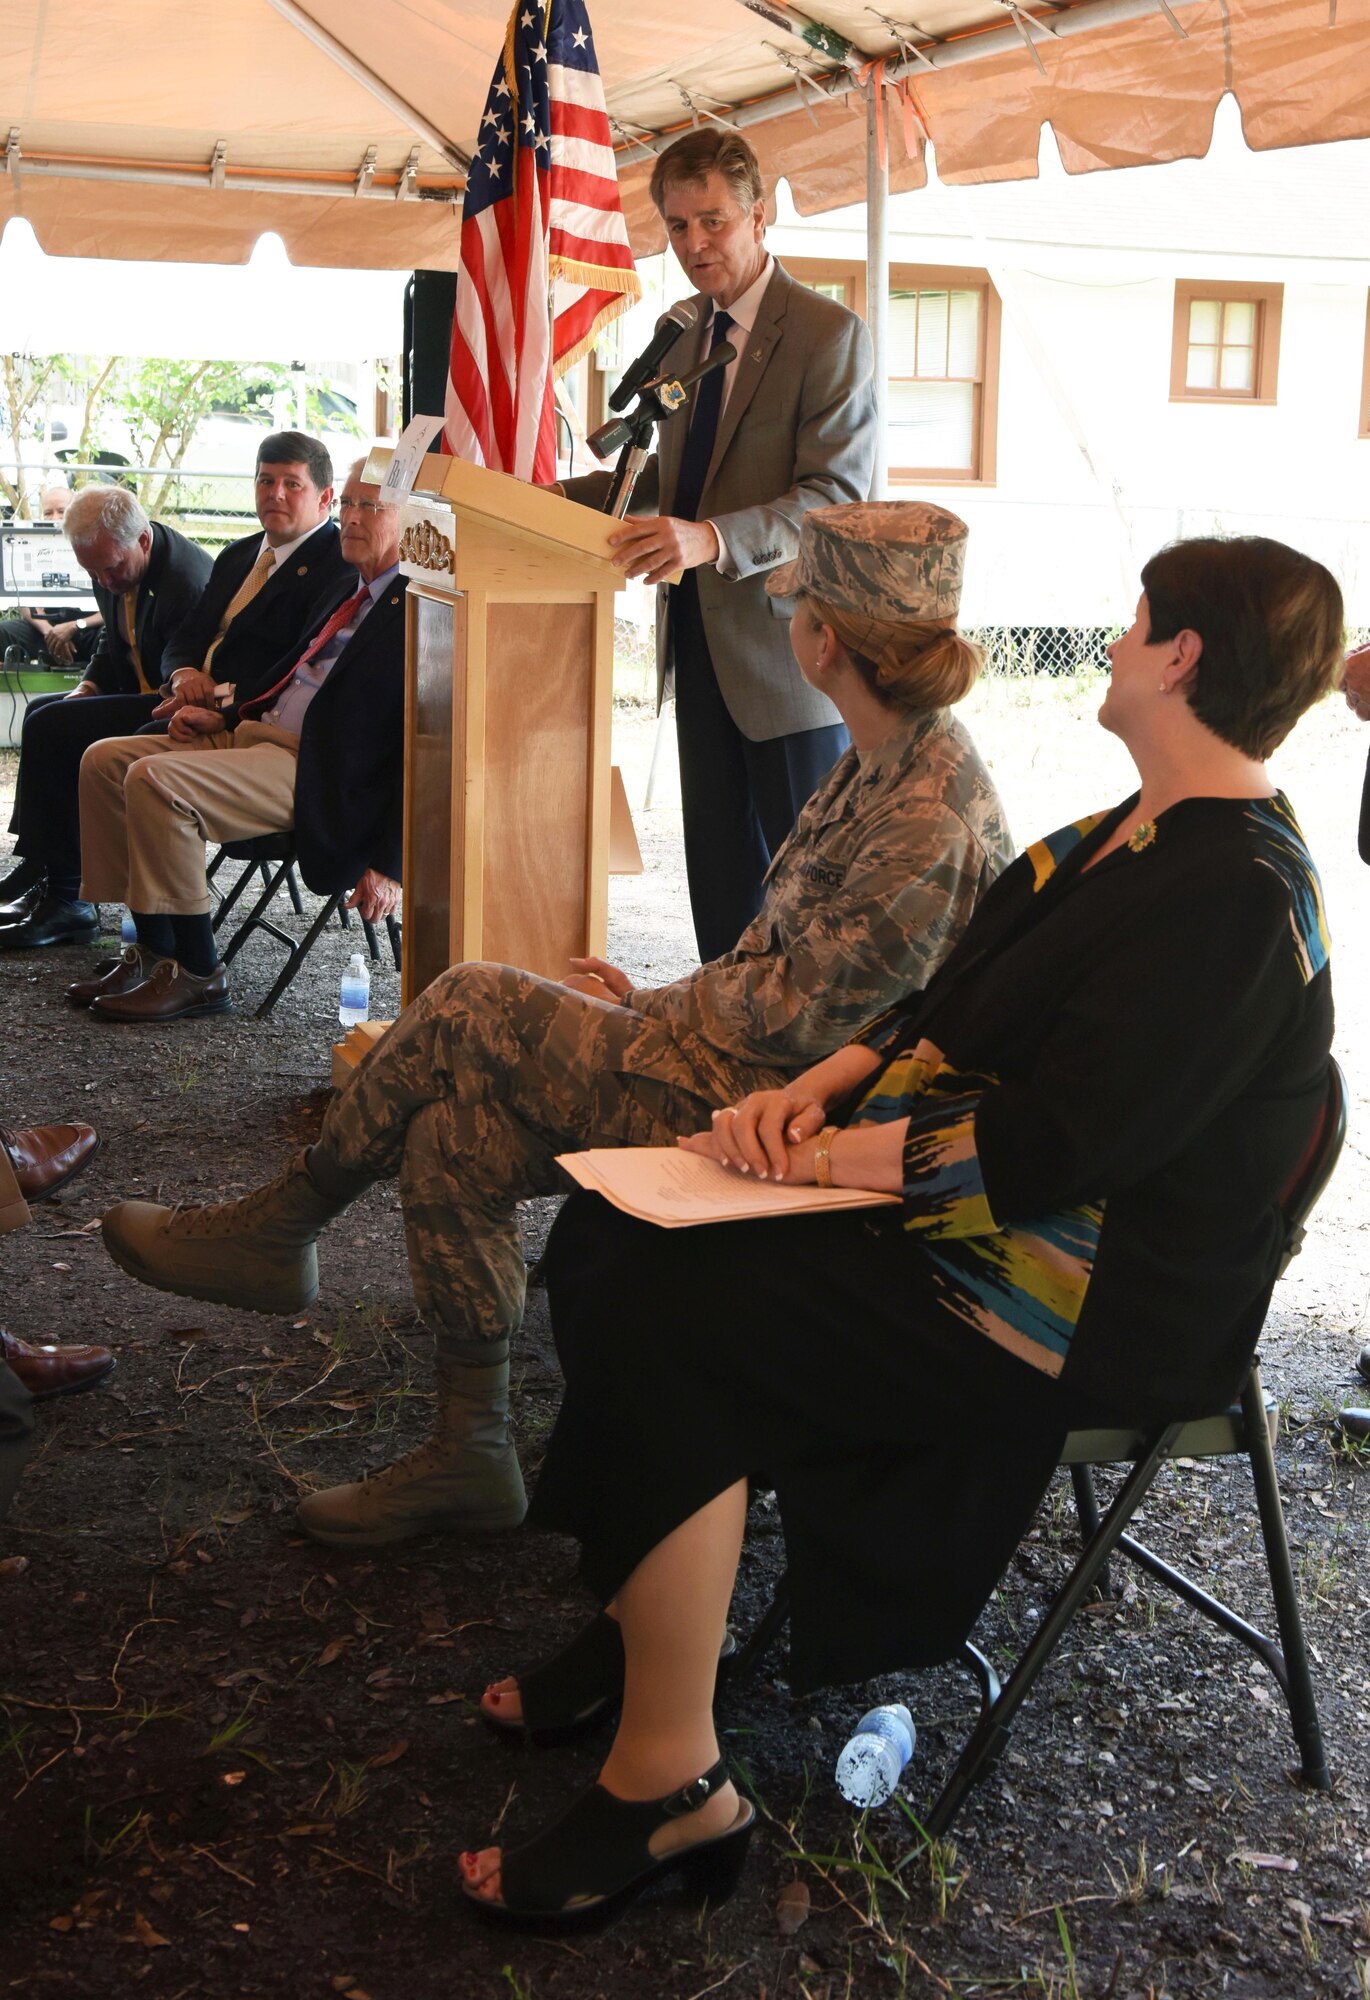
(1364, 1363)
(24, 881)
(52, 921)
(21, 906)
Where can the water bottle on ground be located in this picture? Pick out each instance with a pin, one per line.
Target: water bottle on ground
(873, 1762)
(354, 1002)
(128, 930)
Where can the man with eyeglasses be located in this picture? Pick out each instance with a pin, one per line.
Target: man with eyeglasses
(173, 625)
(315, 741)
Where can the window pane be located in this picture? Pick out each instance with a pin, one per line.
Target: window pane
(829, 288)
(1239, 323)
(1237, 368)
(1202, 369)
(1205, 320)
(903, 333)
(933, 316)
(932, 424)
(963, 345)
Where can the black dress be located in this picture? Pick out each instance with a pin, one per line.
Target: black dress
(1107, 1086)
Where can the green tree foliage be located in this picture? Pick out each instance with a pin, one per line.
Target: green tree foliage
(119, 411)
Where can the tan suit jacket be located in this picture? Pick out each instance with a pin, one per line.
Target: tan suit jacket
(797, 431)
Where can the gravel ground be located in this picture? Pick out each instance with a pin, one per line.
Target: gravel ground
(231, 1764)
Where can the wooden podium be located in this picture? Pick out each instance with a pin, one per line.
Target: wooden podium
(509, 690)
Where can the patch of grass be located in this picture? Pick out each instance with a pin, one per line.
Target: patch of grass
(127, 1836)
(229, 1732)
(185, 1071)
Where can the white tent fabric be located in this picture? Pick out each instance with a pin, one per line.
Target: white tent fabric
(345, 127)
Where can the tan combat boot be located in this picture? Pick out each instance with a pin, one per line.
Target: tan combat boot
(466, 1479)
(257, 1252)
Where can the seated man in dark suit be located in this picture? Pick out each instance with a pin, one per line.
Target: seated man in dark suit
(196, 625)
(138, 568)
(315, 742)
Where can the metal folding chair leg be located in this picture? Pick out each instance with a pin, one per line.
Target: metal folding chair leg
(231, 896)
(750, 1654)
(255, 918)
(297, 953)
(987, 1741)
(1297, 1678)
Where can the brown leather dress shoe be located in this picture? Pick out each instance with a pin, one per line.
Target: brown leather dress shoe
(133, 965)
(169, 993)
(45, 1157)
(55, 1371)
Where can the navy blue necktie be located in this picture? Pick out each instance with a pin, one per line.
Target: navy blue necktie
(699, 444)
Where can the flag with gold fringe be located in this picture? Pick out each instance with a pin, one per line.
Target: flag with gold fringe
(545, 258)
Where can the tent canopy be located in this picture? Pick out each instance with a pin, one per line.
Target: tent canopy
(346, 127)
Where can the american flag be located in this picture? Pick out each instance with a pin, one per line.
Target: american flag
(545, 259)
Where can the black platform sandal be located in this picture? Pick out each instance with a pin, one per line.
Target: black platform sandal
(577, 1687)
(571, 1691)
(595, 1859)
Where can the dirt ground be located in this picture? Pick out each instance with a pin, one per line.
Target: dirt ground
(234, 1764)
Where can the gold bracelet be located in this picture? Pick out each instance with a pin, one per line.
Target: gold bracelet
(822, 1156)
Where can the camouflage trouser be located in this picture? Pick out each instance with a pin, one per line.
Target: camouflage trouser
(470, 1096)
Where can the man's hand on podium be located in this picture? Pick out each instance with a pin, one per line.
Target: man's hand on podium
(598, 978)
(659, 547)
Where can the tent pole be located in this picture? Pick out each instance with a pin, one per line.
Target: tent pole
(878, 277)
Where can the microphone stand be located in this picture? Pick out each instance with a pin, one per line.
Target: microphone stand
(656, 401)
(633, 457)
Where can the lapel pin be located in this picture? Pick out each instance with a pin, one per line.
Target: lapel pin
(756, 354)
(303, 570)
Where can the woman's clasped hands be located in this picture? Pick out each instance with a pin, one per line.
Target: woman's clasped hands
(769, 1133)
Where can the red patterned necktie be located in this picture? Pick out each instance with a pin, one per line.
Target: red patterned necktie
(344, 615)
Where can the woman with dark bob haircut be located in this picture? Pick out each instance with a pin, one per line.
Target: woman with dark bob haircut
(1086, 1119)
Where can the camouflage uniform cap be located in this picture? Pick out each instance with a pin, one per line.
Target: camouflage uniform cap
(877, 568)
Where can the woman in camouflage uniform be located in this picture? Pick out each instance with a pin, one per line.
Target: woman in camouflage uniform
(493, 1071)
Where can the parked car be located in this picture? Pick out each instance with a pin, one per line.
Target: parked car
(215, 473)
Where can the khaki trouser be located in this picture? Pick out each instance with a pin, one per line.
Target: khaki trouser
(148, 805)
(469, 1098)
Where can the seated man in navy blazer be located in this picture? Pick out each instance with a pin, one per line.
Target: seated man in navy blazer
(313, 741)
(188, 619)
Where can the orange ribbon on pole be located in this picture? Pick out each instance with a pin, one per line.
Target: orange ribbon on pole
(875, 75)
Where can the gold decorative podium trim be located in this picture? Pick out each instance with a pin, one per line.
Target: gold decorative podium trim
(427, 548)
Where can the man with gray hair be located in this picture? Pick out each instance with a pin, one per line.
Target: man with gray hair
(312, 740)
(147, 578)
(257, 601)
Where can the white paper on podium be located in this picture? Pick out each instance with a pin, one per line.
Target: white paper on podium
(408, 456)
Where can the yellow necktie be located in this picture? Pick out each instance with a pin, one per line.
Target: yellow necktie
(130, 618)
(243, 596)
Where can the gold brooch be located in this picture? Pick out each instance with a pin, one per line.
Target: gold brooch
(1142, 836)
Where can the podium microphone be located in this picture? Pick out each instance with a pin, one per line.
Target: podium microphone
(668, 394)
(669, 328)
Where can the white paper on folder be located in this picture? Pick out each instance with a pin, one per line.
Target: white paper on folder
(409, 455)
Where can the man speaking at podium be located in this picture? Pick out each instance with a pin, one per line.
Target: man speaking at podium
(788, 425)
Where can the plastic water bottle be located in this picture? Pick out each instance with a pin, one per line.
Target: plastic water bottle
(873, 1762)
(354, 1002)
(128, 930)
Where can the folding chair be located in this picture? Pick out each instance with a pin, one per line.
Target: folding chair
(1248, 1429)
(276, 852)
